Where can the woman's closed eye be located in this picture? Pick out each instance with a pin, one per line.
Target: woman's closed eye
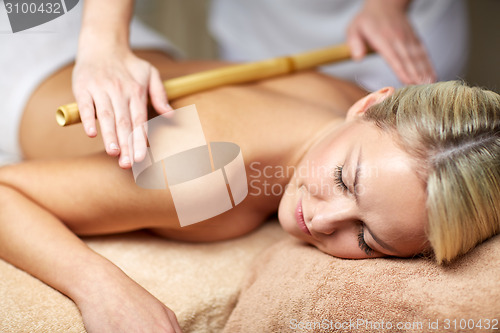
(361, 241)
(338, 178)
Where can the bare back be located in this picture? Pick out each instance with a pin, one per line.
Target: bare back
(271, 121)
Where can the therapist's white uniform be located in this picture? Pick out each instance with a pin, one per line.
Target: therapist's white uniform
(249, 30)
(29, 57)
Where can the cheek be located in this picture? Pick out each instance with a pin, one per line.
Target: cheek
(340, 247)
(343, 247)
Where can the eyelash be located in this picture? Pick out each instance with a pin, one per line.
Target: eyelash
(338, 178)
(361, 242)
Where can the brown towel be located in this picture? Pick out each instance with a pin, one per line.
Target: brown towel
(199, 282)
(294, 287)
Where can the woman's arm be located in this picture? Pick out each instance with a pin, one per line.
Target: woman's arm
(34, 239)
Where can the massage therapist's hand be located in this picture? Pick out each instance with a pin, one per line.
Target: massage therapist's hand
(121, 305)
(111, 82)
(115, 84)
(384, 26)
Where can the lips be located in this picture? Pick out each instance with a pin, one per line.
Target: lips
(299, 216)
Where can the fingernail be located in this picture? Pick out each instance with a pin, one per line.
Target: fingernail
(138, 156)
(169, 114)
(125, 160)
(113, 146)
(91, 131)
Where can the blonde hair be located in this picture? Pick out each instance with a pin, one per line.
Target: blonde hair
(453, 132)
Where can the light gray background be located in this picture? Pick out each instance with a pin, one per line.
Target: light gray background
(184, 23)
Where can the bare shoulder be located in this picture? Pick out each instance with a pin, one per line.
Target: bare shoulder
(315, 87)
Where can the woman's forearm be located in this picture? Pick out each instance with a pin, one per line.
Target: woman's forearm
(35, 241)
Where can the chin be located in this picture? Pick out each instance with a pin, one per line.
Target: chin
(286, 215)
(282, 214)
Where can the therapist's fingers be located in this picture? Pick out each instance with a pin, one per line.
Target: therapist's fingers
(87, 112)
(106, 116)
(416, 61)
(414, 58)
(404, 54)
(123, 125)
(138, 113)
(389, 32)
(383, 44)
(393, 52)
(157, 93)
(421, 60)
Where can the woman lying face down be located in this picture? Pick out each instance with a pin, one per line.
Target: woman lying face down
(411, 171)
(406, 172)
(355, 194)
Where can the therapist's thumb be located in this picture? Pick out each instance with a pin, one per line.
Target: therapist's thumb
(356, 43)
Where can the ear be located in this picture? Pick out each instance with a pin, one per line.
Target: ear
(360, 107)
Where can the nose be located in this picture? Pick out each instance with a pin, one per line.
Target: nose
(329, 217)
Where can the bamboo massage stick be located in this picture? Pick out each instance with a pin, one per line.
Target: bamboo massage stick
(240, 73)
